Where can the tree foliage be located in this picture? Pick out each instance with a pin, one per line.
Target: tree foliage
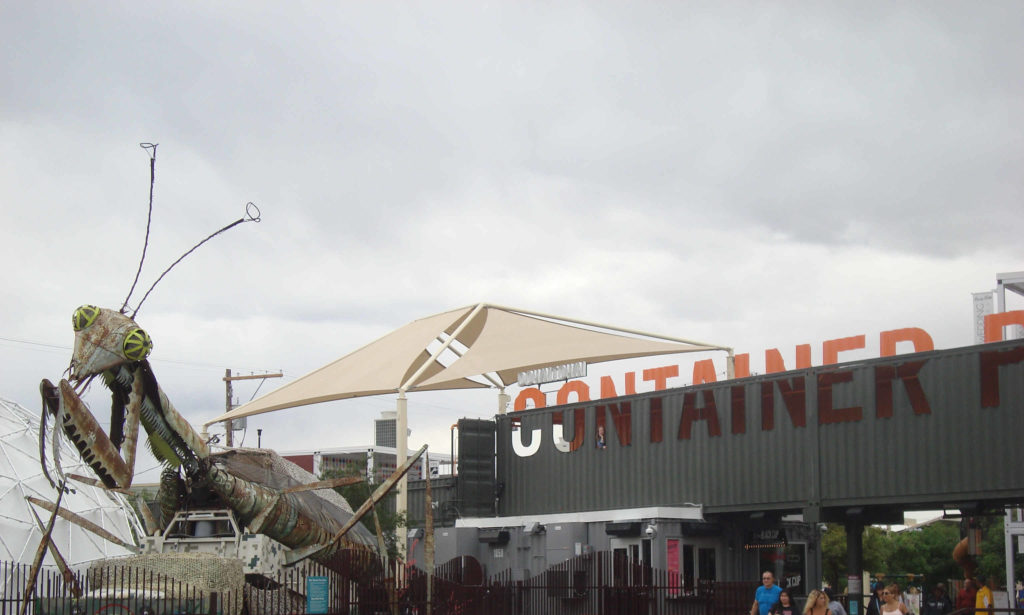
(992, 560)
(926, 551)
(391, 522)
(877, 550)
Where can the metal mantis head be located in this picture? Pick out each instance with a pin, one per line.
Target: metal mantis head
(105, 339)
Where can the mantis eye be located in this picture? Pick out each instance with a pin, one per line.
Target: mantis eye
(137, 345)
(84, 317)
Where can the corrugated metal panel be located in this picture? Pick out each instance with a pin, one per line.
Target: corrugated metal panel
(783, 441)
(442, 494)
(475, 477)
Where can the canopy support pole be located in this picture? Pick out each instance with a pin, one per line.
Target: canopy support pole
(401, 453)
(402, 421)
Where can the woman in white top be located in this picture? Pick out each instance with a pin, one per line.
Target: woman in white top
(891, 604)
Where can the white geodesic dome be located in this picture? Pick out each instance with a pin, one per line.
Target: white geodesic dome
(21, 475)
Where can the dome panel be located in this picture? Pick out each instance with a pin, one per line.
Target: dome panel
(21, 475)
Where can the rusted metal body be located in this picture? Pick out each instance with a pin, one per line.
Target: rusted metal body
(62, 564)
(326, 484)
(79, 520)
(323, 551)
(98, 483)
(278, 515)
(110, 345)
(44, 542)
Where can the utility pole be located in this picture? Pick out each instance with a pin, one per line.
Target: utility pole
(228, 425)
(228, 379)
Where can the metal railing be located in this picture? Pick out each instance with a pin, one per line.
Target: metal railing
(358, 582)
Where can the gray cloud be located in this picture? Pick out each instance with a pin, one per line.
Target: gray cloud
(741, 173)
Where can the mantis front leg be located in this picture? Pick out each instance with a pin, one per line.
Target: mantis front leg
(92, 442)
(131, 426)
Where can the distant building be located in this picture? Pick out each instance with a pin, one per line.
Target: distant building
(378, 461)
(385, 433)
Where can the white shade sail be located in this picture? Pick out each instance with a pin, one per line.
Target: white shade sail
(487, 342)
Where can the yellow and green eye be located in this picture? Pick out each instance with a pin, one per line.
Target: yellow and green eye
(137, 345)
(84, 317)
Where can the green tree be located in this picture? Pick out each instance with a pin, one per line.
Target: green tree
(878, 549)
(927, 550)
(391, 522)
(992, 560)
(876, 545)
(833, 555)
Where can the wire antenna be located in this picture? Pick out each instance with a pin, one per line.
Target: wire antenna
(151, 150)
(252, 214)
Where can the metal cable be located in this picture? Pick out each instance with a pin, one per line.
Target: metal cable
(250, 207)
(151, 148)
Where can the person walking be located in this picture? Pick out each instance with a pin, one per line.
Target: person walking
(817, 603)
(785, 605)
(891, 604)
(834, 605)
(938, 602)
(875, 602)
(983, 601)
(965, 597)
(766, 595)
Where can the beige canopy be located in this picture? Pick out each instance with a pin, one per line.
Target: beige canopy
(476, 346)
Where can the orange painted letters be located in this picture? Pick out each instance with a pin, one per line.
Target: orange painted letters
(773, 359)
(994, 324)
(530, 394)
(741, 365)
(918, 337)
(578, 387)
(608, 386)
(704, 371)
(660, 375)
(830, 349)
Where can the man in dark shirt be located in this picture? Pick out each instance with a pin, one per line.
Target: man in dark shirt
(938, 603)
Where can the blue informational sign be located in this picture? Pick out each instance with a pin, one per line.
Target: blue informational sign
(317, 590)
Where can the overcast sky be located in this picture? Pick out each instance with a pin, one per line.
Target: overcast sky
(757, 175)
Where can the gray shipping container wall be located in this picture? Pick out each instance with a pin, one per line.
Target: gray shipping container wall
(918, 431)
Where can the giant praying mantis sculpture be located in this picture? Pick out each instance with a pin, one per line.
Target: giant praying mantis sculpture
(110, 345)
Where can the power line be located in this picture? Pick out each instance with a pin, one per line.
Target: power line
(27, 342)
(69, 350)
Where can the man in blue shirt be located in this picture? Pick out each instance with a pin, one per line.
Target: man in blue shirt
(766, 596)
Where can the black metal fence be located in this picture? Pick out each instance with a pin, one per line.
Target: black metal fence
(359, 583)
(117, 590)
